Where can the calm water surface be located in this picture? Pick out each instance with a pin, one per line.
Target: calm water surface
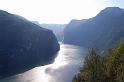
(66, 65)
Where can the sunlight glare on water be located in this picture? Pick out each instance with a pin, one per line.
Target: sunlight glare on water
(65, 66)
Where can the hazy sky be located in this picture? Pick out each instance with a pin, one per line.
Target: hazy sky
(57, 11)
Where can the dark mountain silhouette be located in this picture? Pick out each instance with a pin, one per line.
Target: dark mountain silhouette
(24, 45)
(102, 31)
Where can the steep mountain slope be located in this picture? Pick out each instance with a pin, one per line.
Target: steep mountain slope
(102, 31)
(24, 45)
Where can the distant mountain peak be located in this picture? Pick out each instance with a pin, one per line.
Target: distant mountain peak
(117, 8)
(2, 12)
(110, 11)
(102, 31)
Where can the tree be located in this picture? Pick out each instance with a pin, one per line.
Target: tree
(108, 68)
(92, 70)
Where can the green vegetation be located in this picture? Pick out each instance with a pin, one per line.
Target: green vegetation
(107, 68)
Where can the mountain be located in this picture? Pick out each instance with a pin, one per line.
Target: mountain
(68, 31)
(102, 31)
(24, 45)
(56, 28)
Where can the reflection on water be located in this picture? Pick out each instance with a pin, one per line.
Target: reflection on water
(66, 65)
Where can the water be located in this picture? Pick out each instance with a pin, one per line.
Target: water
(66, 65)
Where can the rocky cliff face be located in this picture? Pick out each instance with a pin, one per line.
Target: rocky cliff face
(24, 45)
(102, 31)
